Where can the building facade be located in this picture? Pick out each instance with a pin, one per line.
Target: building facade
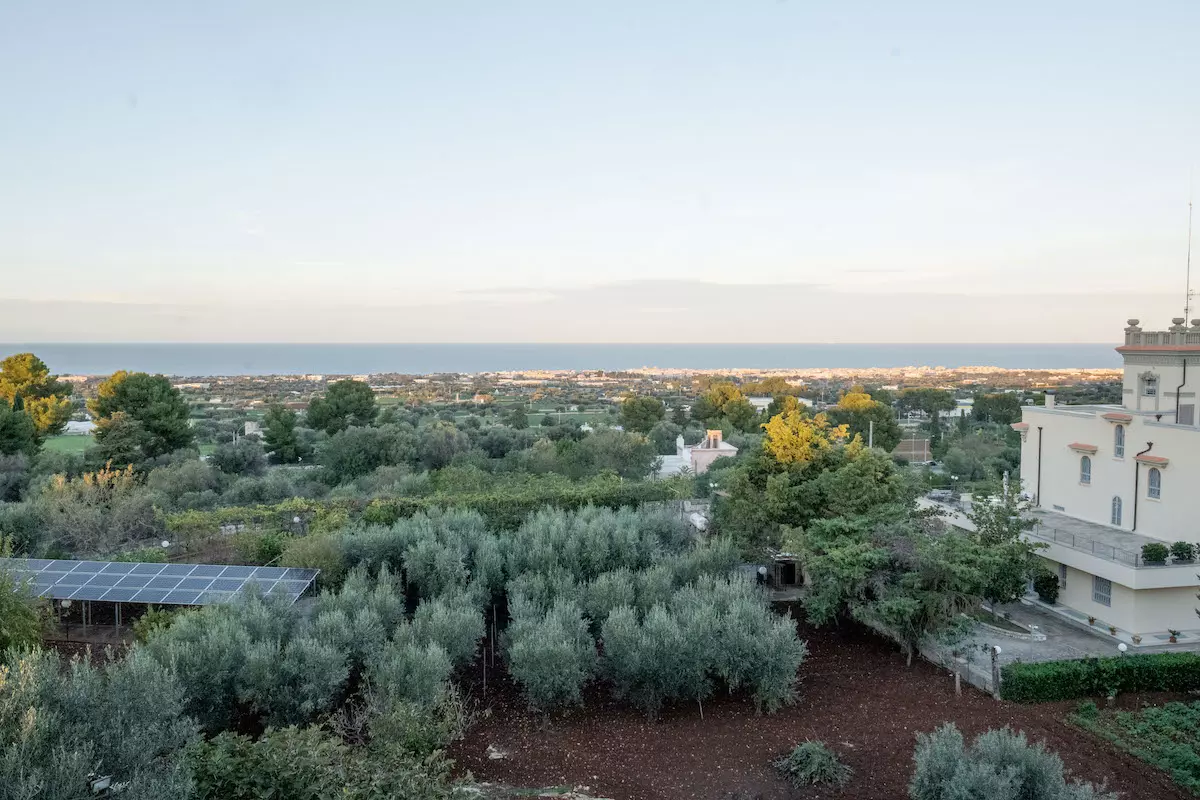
(1108, 480)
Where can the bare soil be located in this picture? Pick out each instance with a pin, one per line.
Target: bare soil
(857, 696)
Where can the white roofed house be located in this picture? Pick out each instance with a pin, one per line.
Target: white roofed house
(1107, 480)
(699, 457)
(709, 449)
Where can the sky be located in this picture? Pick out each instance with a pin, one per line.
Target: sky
(618, 171)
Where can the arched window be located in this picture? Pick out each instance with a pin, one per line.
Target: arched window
(1116, 511)
(1154, 484)
(1085, 469)
(1119, 441)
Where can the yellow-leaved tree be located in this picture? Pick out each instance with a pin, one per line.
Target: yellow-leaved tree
(856, 399)
(793, 438)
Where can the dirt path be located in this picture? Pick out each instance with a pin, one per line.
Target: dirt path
(857, 696)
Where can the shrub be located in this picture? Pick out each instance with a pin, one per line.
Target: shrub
(551, 656)
(811, 763)
(1154, 553)
(1183, 551)
(244, 458)
(999, 765)
(153, 622)
(406, 671)
(304, 763)
(123, 719)
(260, 547)
(451, 623)
(247, 658)
(1046, 586)
(1050, 681)
(318, 552)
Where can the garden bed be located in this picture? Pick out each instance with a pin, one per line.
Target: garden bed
(857, 696)
(1167, 737)
(1000, 625)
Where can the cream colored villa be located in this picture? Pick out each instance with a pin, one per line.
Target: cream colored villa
(1107, 480)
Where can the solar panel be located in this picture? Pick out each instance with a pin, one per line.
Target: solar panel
(170, 584)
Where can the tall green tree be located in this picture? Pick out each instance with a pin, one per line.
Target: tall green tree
(999, 524)
(18, 434)
(640, 414)
(346, 404)
(282, 442)
(679, 415)
(145, 413)
(46, 400)
(1003, 408)
(724, 405)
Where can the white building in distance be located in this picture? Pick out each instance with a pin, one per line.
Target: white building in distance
(1108, 480)
(696, 458)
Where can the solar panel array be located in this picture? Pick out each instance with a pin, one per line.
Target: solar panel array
(168, 584)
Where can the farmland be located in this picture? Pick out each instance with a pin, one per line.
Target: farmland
(856, 695)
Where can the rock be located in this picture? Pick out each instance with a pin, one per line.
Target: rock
(495, 753)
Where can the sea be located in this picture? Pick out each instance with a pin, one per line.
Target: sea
(197, 360)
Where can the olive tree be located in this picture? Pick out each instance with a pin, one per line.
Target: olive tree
(551, 657)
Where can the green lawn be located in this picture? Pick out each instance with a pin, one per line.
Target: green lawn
(69, 444)
(77, 444)
(1167, 737)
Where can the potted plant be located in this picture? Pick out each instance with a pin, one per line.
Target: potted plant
(1091, 620)
(1155, 553)
(1136, 639)
(1112, 630)
(1183, 552)
(1174, 635)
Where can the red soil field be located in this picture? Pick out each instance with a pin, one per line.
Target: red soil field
(857, 695)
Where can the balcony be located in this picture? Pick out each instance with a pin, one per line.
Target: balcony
(1111, 544)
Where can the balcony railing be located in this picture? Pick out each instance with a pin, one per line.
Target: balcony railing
(1178, 335)
(1099, 549)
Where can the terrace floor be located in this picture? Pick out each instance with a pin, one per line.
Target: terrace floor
(1094, 531)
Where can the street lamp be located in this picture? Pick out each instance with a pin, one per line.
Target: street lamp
(1122, 647)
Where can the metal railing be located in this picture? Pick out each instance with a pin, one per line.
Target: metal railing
(1085, 544)
(1088, 545)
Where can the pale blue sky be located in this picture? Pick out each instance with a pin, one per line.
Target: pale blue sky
(603, 171)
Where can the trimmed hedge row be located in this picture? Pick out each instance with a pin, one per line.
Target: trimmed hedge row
(1092, 677)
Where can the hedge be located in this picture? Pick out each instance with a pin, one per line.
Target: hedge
(1091, 677)
(503, 508)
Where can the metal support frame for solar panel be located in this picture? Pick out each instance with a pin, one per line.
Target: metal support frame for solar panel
(161, 584)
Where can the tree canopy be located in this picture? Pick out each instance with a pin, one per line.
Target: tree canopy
(724, 406)
(18, 434)
(1003, 408)
(865, 417)
(793, 438)
(640, 414)
(347, 403)
(46, 400)
(139, 416)
(280, 439)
